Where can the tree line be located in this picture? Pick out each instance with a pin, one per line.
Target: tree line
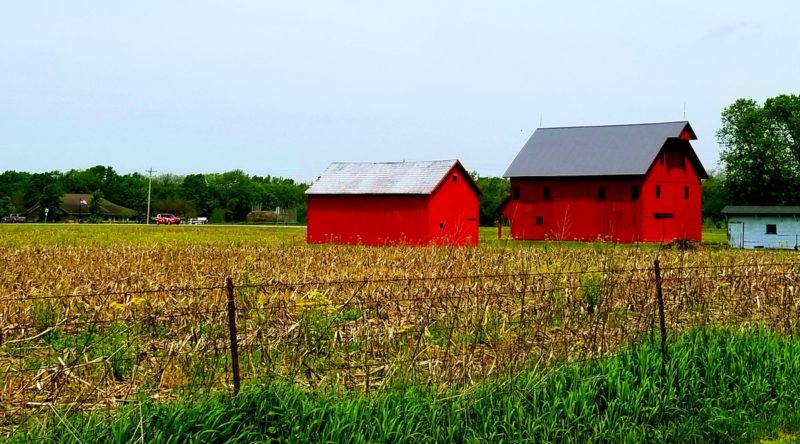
(222, 197)
(759, 158)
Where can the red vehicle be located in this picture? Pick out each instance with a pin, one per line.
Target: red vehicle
(167, 219)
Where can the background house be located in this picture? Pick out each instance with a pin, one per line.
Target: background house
(77, 206)
(416, 203)
(626, 183)
(763, 226)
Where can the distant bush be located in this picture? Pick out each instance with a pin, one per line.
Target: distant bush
(218, 215)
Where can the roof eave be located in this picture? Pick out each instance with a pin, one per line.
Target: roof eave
(573, 176)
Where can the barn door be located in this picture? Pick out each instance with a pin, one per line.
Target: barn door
(472, 231)
(736, 234)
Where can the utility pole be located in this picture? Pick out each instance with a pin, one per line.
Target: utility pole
(149, 187)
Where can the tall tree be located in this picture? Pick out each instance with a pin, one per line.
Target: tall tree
(43, 189)
(194, 188)
(96, 206)
(714, 196)
(494, 190)
(51, 198)
(784, 114)
(6, 206)
(761, 151)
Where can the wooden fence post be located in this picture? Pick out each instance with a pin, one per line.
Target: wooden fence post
(662, 321)
(233, 334)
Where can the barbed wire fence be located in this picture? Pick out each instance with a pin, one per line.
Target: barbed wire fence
(90, 351)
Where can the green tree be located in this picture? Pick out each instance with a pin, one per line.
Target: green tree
(132, 193)
(494, 191)
(14, 186)
(6, 206)
(784, 114)
(194, 188)
(761, 151)
(89, 180)
(43, 189)
(51, 198)
(235, 191)
(96, 206)
(714, 196)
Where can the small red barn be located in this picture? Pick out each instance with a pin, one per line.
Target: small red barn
(627, 183)
(417, 203)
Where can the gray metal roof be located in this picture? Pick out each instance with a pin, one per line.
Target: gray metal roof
(595, 150)
(382, 177)
(757, 209)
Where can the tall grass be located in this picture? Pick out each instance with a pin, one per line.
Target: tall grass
(722, 385)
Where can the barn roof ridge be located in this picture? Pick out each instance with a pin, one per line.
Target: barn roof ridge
(453, 161)
(613, 125)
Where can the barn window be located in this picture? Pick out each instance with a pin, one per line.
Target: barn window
(772, 229)
(676, 159)
(455, 178)
(663, 215)
(601, 193)
(658, 191)
(635, 192)
(441, 225)
(539, 220)
(546, 193)
(685, 192)
(516, 193)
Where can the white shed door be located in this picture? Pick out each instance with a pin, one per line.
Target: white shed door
(736, 234)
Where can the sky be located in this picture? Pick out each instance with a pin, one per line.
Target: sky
(284, 88)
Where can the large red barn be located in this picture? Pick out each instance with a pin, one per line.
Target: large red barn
(416, 203)
(626, 183)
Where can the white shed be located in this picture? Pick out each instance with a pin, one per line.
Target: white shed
(763, 227)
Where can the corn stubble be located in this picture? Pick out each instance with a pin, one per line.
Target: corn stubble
(100, 325)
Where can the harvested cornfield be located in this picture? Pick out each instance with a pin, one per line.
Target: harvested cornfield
(101, 318)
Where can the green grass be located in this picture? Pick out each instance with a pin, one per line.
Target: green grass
(715, 236)
(488, 235)
(721, 385)
(15, 235)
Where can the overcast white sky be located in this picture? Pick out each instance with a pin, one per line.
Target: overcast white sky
(284, 88)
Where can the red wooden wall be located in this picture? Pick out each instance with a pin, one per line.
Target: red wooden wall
(575, 212)
(675, 180)
(448, 216)
(453, 210)
(368, 219)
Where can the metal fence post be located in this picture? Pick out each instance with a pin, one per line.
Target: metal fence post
(233, 334)
(662, 321)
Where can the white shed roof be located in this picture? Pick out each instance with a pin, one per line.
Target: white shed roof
(381, 177)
